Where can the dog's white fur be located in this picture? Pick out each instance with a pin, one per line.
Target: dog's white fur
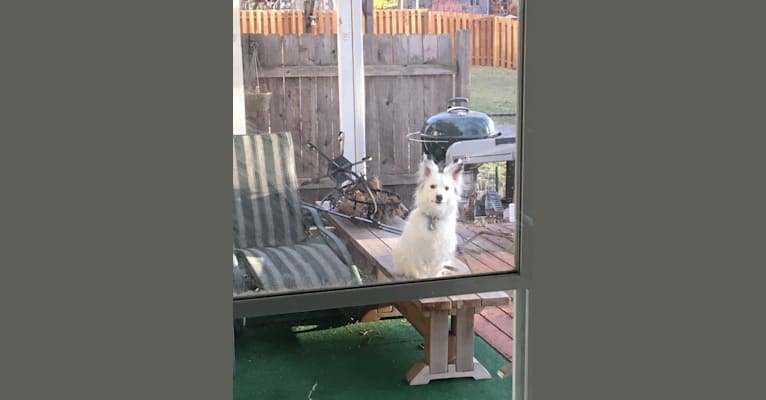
(422, 252)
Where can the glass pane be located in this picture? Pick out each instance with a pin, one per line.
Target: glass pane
(331, 189)
(401, 170)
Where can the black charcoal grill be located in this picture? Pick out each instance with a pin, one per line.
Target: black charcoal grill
(457, 123)
(462, 133)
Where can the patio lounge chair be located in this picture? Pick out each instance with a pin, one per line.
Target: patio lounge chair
(271, 244)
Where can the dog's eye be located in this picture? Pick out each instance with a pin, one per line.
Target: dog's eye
(433, 186)
(446, 188)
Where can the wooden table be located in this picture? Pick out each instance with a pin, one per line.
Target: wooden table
(446, 323)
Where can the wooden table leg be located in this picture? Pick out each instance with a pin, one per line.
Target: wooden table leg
(437, 343)
(465, 363)
(464, 339)
(436, 350)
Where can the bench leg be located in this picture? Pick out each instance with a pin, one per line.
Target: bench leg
(465, 363)
(464, 339)
(420, 373)
(437, 342)
(440, 345)
(436, 350)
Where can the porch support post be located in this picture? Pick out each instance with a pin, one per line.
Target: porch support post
(239, 83)
(351, 79)
(520, 363)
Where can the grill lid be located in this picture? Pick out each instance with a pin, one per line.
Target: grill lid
(457, 123)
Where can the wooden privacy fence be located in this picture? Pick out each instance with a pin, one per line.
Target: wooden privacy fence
(495, 38)
(407, 79)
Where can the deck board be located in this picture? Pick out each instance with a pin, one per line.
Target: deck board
(494, 336)
(496, 252)
(490, 253)
(495, 325)
(486, 253)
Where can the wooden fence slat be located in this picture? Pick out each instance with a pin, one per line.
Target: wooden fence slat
(444, 56)
(416, 112)
(334, 19)
(380, 22)
(485, 44)
(505, 54)
(431, 101)
(436, 89)
(385, 26)
(493, 43)
(307, 56)
(385, 92)
(269, 54)
(402, 90)
(482, 48)
(372, 104)
(278, 103)
(272, 23)
(327, 91)
(486, 40)
(306, 104)
(462, 78)
(292, 93)
(477, 27)
(514, 44)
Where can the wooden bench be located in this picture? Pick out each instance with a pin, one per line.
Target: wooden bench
(446, 323)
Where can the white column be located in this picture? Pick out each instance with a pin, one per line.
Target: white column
(351, 78)
(239, 83)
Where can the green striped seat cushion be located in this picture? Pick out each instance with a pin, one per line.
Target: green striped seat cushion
(297, 267)
(268, 228)
(267, 209)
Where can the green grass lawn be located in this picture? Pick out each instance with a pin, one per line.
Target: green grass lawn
(494, 90)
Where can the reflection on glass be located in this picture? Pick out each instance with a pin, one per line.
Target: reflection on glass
(420, 188)
(309, 216)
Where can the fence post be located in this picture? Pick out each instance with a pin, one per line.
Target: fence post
(495, 41)
(369, 21)
(239, 81)
(463, 61)
(515, 43)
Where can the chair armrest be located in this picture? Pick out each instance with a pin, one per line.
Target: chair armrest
(334, 241)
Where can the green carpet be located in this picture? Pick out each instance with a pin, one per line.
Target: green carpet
(361, 361)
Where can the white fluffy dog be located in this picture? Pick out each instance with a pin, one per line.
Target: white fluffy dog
(429, 238)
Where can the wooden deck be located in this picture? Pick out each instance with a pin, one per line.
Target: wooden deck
(491, 251)
(484, 248)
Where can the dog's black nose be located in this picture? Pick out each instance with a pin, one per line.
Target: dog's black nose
(439, 198)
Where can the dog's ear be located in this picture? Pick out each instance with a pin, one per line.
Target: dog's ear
(427, 168)
(454, 170)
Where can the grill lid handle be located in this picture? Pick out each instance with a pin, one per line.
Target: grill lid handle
(454, 100)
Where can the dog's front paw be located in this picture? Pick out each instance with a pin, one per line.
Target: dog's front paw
(406, 275)
(444, 272)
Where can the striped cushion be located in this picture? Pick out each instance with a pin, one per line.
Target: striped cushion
(267, 209)
(303, 266)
